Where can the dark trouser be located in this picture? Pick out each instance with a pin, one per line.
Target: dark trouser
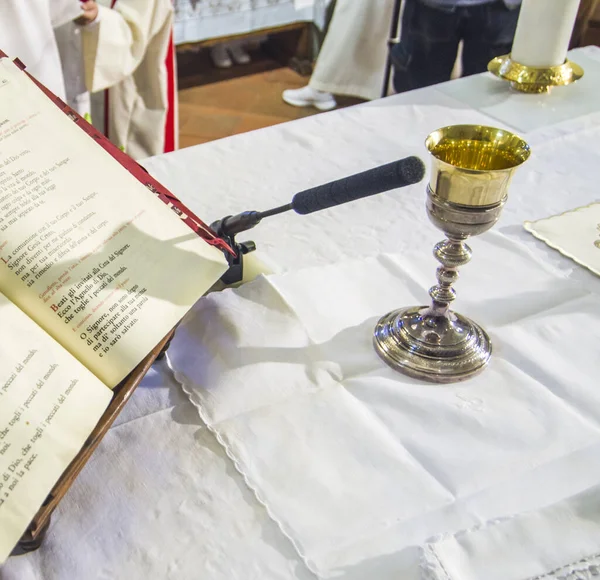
(430, 37)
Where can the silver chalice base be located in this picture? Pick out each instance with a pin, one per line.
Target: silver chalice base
(439, 349)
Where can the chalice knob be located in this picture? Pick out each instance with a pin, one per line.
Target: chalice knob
(472, 166)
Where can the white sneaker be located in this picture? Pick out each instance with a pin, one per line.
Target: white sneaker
(219, 56)
(307, 96)
(238, 53)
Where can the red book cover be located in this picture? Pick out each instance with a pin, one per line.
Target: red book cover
(188, 217)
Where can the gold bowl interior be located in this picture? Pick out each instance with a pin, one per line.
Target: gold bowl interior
(478, 148)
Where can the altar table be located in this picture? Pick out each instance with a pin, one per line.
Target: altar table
(160, 498)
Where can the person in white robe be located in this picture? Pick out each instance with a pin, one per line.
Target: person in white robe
(27, 33)
(353, 56)
(70, 48)
(126, 55)
(129, 62)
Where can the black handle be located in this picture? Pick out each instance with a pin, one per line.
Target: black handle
(391, 176)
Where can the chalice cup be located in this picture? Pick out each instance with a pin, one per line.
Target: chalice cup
(472, 166)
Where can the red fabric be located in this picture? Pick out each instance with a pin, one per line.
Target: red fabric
(107, 96)
(171, 121)
(106, 104)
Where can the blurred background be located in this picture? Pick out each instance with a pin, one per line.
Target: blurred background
(282, 38)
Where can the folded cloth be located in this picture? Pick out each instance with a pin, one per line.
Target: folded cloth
(358, 463)
(159, 500)
(575, 234)
(558, 542)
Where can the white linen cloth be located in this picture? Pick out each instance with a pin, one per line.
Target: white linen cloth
(160, 454)
(263, 169)
(344, 451)
(158, 500)
(527, 112)
(575, 234)
(529, 546)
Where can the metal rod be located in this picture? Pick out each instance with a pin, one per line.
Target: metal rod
(395, 24)
(275, 210)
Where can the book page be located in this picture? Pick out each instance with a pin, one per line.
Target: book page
(49, 404)
(86, 250)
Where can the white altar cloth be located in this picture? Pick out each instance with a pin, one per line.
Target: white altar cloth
(350, 457)
(491, 97)
(528, 545)
(160, 499)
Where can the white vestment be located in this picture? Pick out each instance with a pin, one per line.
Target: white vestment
(126, 53)
(353, 56)
(70, 48)
(26, 32)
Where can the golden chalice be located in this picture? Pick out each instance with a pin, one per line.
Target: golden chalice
(471, 172)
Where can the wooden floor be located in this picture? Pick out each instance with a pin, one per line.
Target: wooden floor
(216, 103)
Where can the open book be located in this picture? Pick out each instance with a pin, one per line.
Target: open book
(95, 269)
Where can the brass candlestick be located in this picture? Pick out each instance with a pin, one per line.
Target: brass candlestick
(529, 79)
(471, 172)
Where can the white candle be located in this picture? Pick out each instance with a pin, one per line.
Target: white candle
(543, 32)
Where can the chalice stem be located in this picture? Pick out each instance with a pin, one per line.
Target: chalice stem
(451, 253)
